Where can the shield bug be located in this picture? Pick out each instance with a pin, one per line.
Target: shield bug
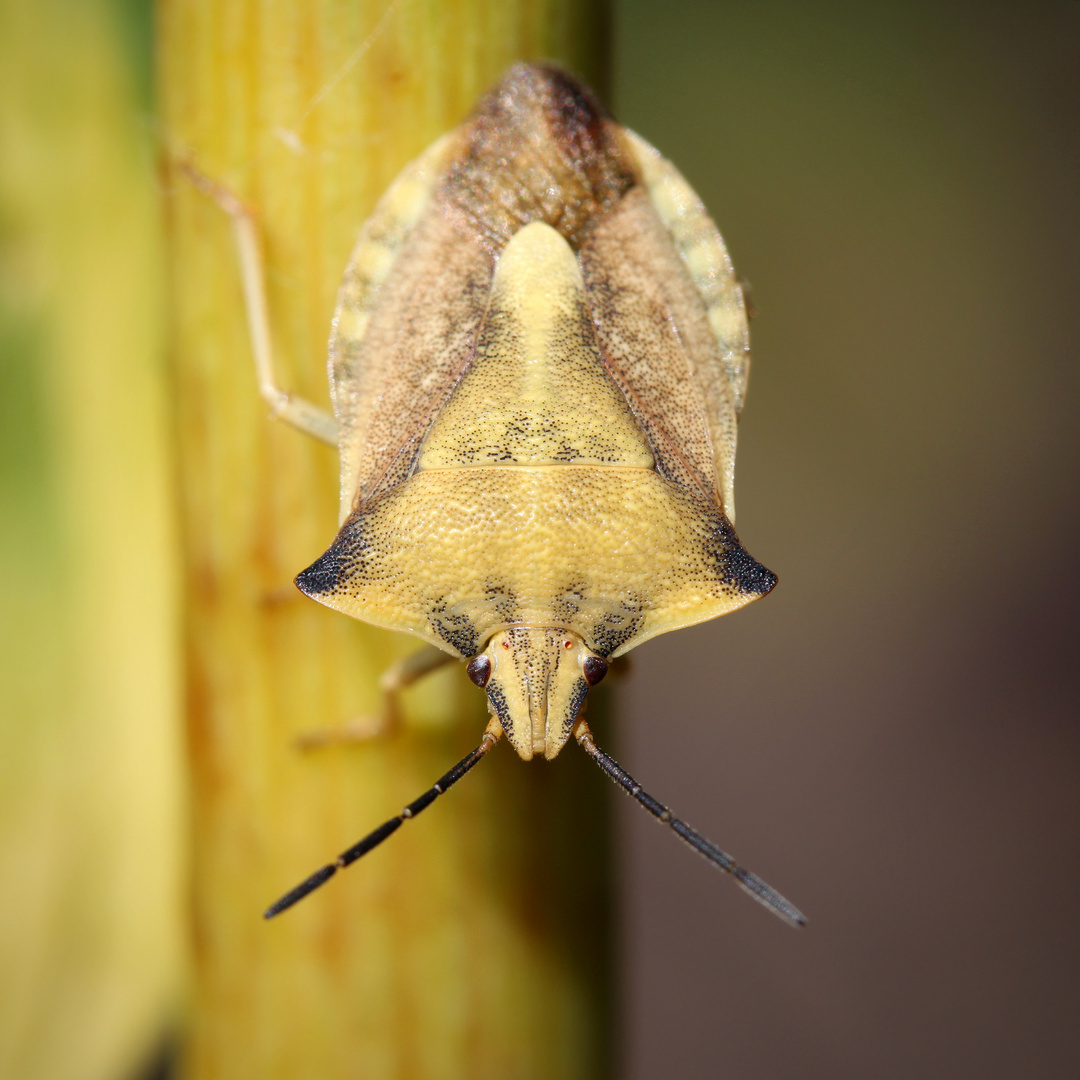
(538, 360)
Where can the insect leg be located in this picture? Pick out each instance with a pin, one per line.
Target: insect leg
(394, 679)
(376, 837)
(303, 415)
(757, 888)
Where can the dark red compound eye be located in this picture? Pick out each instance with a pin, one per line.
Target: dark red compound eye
(594, 669)
(479, 670)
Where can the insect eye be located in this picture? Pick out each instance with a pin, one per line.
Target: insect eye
(594, 668)
(479, 670)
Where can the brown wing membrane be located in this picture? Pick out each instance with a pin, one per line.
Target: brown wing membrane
(654, 332)
(419, 341)
(561, 160)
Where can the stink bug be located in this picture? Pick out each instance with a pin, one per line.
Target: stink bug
(538, 359)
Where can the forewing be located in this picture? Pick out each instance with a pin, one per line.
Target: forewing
(673, 309)
(654, 334)
(406, 323)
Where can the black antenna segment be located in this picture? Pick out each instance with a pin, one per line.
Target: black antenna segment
(375, 838)
(764, 894)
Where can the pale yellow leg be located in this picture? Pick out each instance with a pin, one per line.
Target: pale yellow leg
(302, 414)
(396, 678)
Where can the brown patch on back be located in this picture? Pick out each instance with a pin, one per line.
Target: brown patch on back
(420, 340)
(560, 160)
(653, 331)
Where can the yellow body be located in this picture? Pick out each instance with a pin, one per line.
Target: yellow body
(539, 357)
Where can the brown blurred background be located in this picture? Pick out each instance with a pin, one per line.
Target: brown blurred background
(891, 738)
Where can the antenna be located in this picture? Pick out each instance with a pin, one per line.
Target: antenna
(376, 837)
(764, 894)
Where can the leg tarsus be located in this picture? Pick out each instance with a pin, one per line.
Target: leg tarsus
(360, 729)
(300, 413)
(397, 677)
(414, 666)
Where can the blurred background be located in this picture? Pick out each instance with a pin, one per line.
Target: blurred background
(891, 738)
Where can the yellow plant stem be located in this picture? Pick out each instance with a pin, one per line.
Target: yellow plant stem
(475, 942)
